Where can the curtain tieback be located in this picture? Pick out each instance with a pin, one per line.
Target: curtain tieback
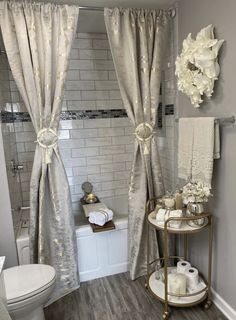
(144, 133)
(47, 139)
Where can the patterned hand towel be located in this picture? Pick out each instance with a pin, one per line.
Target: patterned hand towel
(199, 145)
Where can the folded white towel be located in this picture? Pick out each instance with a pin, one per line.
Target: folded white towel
(101, 216)
(199, 145)
(164, 214)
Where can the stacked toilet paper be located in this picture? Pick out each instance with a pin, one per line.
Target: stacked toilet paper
(184, 278)
(184, 267)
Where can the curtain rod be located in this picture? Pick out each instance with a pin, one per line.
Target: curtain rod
(222, 120)
(171, 10)
(92, 8)
(101, 9)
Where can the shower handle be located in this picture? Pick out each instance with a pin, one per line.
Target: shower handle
(15, 167)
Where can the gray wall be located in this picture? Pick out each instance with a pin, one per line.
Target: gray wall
(194, 15)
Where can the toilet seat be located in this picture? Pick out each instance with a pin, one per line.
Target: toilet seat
(23, 282)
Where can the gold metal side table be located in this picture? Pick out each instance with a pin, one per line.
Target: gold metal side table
(159, 288)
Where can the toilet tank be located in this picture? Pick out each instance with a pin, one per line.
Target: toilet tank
(22, 238)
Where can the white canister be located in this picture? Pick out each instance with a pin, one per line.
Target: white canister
(177, 284)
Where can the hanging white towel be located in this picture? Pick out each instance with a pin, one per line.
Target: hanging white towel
(199, 145)
(100, 217)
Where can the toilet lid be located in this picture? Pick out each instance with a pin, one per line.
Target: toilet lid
(22, 282)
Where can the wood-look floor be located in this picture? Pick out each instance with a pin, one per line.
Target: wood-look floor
(118, 298)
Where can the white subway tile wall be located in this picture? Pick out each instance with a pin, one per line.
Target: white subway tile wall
(91, 81)
(89, 154)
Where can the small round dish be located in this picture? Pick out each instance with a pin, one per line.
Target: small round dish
(90, 198)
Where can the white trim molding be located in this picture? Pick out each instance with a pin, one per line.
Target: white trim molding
(224, 307)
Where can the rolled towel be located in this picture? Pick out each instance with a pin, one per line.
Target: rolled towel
(164, 214)
(101, 216)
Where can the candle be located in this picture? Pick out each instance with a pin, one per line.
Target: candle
(177, 283)
(169, 202)
(178, 201)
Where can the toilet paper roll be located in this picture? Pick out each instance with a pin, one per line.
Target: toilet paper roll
(183, 266)
(192, 278)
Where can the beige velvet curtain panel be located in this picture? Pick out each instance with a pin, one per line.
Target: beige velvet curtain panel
(137, 40)
(38, 39)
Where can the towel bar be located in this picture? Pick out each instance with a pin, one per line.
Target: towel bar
(221, 120)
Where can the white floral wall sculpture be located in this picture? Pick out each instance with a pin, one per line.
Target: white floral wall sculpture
(197, 67)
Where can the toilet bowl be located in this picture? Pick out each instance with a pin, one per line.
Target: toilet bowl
(28, 288)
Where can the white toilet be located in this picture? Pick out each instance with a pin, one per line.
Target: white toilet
(28, 288)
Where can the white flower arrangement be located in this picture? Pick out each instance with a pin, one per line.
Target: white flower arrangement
(197, 67)
(196, 192)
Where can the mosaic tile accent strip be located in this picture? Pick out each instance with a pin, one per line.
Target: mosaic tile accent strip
(169, 110)
(6, 117)
(159, 116)
(10, 117)
(93, 114)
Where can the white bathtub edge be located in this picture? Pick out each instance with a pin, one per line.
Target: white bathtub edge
(85, 230)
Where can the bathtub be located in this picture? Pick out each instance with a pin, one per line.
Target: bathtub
(99, 254)
(104, 253)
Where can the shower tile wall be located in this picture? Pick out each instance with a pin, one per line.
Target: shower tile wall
(98, 150)
(91, 81)
(9, 137)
